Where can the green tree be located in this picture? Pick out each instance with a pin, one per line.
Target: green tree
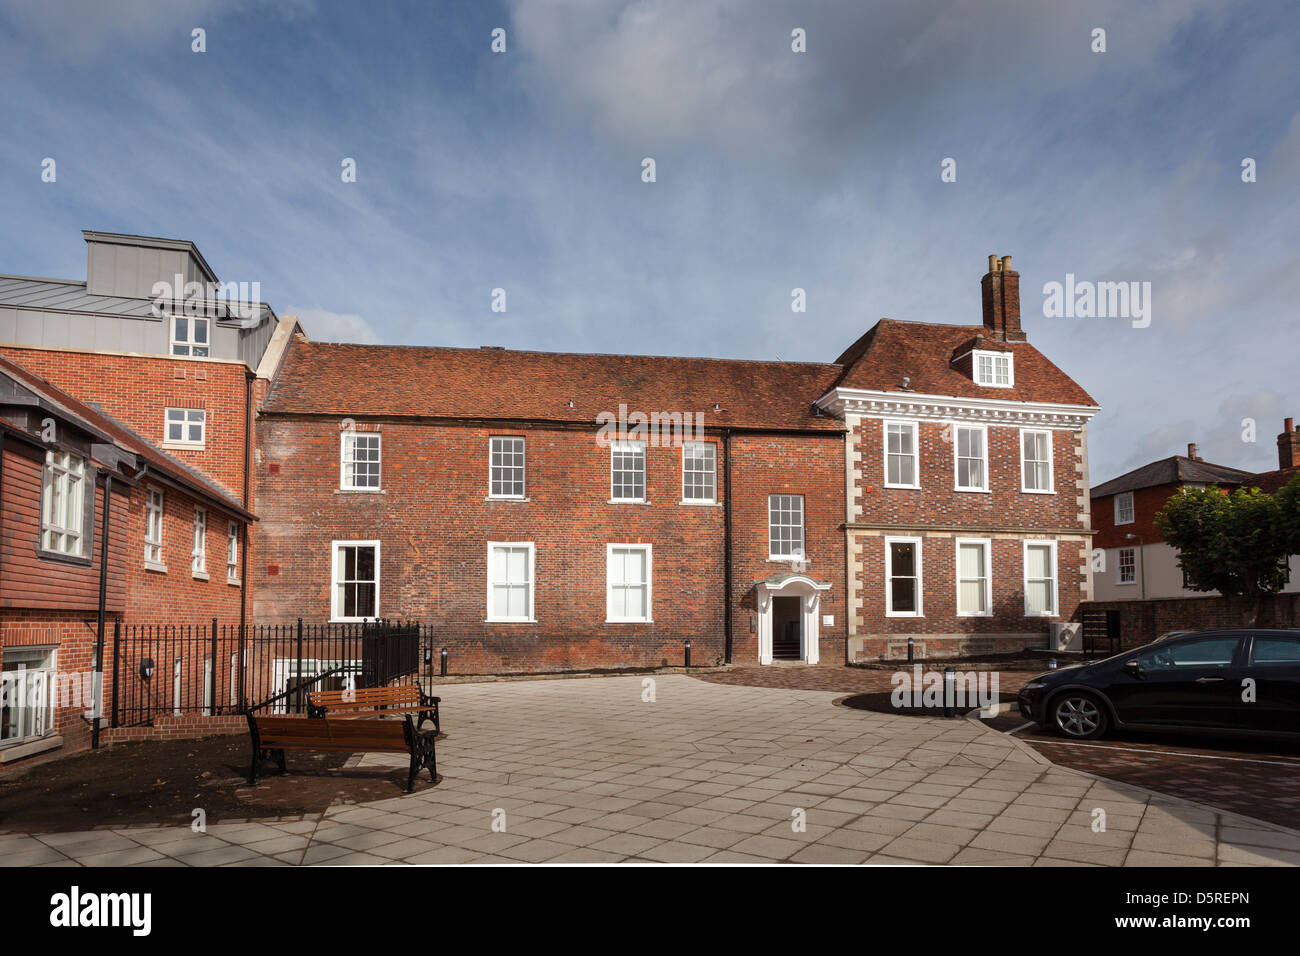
(1235, 543)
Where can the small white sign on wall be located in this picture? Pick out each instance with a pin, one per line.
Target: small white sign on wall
(828, 620)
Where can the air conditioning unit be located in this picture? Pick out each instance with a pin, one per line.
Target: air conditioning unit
(1066, 636)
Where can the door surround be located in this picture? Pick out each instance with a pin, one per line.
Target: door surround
(809, 592)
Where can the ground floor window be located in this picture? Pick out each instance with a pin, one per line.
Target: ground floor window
(1040, 578)
(974, 583)
(1127, 566)
(628, 574)
(903, 577)
(27, 693)
(354, 590)
(510, 581)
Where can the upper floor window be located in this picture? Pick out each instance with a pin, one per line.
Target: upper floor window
(360, 461)
(64, 497)
(627, 471)
(1035, 460)
(900, 455)
(628, 574)
(354, 580)
(971, 444)
(186, 426)
(190, 335)
(1124, 507)
(153, 529)
(700, 472)
(232, 553)
(506, 478)
(199, 562)
(1127, 566)
(510, 581)
(994, 369)
(785, 526)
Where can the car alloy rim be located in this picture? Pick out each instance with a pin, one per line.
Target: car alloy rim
(1077, 716)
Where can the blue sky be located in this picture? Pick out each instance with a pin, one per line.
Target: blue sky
(775, 170)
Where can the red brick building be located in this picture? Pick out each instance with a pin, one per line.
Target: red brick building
(98, 524)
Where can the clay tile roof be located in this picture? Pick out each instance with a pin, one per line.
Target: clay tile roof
(500, 384)
(1175, 470)
(1271, 481)
(923, 351)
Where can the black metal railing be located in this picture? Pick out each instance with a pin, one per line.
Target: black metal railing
(215, 669)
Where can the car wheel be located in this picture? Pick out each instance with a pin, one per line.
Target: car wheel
(1079, 715)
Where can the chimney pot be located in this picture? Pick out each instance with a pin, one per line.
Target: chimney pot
(993, 263)
(1006, 263)
(1191, 451)
(1288, 445)
(1290, 425)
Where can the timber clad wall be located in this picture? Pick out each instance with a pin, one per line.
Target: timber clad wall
(434, 522)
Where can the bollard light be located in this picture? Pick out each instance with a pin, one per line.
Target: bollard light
(949, 692)
(443, 672)
(688, 653)
(911, 649)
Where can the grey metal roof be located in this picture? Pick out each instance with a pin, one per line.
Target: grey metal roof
(1175, 470)
(66, 296)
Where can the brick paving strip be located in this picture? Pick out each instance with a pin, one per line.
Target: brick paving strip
(588, 771)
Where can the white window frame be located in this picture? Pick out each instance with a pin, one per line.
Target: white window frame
(1051, 467)
(1119, 511)
(623, 448)
(530, 617)
(155, 509)
(610, 618)
(889, 576)
(713, 473)
(190, 343)
(63, 484)
(800, 551)
(334, 582)
(16, 681)
(994, 358)
(185, 421)
(492, 466)
(1055, 579)
(347, 456)
(199, 553)
(916, 451)
(987, 545)
(232, 553)
(957, 429)
(1119, 566)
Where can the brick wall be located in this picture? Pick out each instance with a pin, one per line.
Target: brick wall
(1143, 621)
(1146, 503)
(434, 523)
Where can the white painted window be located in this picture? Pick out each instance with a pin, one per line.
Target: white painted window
(700, 472)
(63, 504)
(185, 426)
(974, 580)
(628, 577)
(28, 691)
(903, 579)
(232, 552)
(1040, 579)
(994, 369)
(199, 563)
(1126, 566)
(785, 527)
(1035, 460)
(354, 580)
(900, 455)
(506, 468)
(970, 444)
(1124, 508)
(510, 581)
(190, 335)
(627, 471)
(153, 529)
(359, 468)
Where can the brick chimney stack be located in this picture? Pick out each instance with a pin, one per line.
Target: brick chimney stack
(1000, 291)
(1288, 445)
(1191, 452)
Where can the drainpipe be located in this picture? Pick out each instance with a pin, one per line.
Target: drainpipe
(726, 544)
(243, 524)
(2, 484)
(99, 620)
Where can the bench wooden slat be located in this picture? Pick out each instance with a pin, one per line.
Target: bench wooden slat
(271, 736)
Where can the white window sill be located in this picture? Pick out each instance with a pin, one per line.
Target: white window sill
(234, 582)
(903, 614)
(184, 446)
(18, 750)
(700, 502)
(629, 620)
(360, 491)
(1126, 583)
(1120, 524)
(974, 614)
(981, 491)
(1038, 491)
(353, 620)
(200, 576)
(510, 620)
(155, 566)
(1049, 614)
(902, 487)
(507, 498)
(628, 501)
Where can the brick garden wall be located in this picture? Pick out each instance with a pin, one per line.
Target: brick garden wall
(1144, 621)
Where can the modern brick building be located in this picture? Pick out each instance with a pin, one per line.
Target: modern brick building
(475, 490)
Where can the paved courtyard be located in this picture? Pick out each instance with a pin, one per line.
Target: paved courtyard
(586, 770)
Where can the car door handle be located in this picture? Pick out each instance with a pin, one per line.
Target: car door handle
(1209, 680)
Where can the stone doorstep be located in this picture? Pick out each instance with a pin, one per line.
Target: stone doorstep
(1226, 815)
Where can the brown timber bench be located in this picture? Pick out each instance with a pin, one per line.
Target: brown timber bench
(375, 702)
(272, 736)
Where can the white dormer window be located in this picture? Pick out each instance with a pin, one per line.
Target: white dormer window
(189, 336)
(994, 369)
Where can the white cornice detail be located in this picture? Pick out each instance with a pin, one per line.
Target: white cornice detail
(877, 404)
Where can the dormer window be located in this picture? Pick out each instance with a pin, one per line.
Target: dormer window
(994, 369)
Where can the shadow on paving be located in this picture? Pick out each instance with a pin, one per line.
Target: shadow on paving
(163, 782)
